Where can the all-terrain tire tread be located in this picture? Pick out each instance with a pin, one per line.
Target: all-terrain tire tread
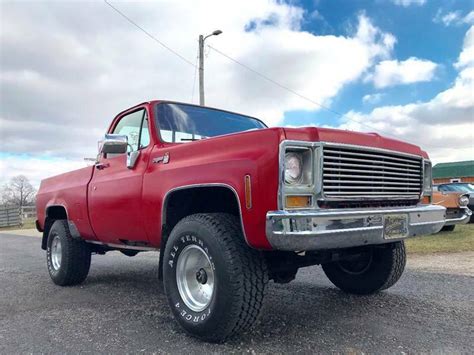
(78, 256)
(398, 265)
(248, 267)
(386, 269)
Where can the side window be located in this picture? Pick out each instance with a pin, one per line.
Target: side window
(145, 133)
(135, 127)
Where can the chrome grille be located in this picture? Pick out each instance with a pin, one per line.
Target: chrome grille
(356, 172)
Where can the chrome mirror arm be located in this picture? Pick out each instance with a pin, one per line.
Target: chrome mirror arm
(132, 158)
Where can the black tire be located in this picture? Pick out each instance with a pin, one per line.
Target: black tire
(448, 228)
(75, 256)
(240, 275)
(379, 269)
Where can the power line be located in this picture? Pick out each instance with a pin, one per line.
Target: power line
(246, 67)
(273, 81)
(149, 34)
(306, 98)
(295, 92)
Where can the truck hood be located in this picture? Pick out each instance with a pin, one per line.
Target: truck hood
(374, 140)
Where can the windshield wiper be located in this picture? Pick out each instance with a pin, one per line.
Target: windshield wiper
(191, 139)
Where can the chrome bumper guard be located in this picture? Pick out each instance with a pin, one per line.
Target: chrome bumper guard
(465, 216)
(343, 228)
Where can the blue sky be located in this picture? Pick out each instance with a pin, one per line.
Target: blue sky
(417, 34)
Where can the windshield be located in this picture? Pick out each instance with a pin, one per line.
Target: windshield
(457, 187)
(180, 123)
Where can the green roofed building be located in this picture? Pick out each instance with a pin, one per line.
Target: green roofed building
(459, 171)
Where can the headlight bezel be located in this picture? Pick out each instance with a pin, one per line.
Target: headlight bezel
(308, 186)
(427, 178)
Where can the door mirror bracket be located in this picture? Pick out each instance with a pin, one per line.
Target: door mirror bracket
(132, 158)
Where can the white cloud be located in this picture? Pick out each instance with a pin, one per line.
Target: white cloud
(372, 98)
(469, 18)
(453, 18)
(466, 58)
(394, 72)
(406, 3)
(35, 168)
(447, 18)
(444, 125)
(68, 68)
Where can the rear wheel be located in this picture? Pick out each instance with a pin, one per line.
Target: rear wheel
(214, 282)
(68, 259)
(376, 269)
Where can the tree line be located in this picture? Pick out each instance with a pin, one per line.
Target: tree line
(18, 192)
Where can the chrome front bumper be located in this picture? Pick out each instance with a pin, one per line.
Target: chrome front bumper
(462, 217)
(343, 228)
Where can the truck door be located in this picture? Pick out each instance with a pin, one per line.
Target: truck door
(115, 191)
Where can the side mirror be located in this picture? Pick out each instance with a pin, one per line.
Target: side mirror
(114, 144)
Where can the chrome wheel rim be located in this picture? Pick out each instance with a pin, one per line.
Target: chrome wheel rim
(56, 253)
(195, 278)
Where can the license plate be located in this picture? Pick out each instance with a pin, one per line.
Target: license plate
(395, 226)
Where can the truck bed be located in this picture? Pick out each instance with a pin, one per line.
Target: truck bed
(69, 190)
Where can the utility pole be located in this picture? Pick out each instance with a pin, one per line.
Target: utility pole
(201, 64)
(201, 70)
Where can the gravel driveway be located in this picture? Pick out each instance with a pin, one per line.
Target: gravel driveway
(121, 308)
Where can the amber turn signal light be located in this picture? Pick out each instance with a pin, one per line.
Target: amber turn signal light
(298, 201)
(248, 192)
(426, 200)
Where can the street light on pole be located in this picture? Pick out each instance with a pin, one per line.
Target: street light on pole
(201, 64)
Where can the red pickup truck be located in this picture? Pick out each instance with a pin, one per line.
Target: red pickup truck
(231, 204)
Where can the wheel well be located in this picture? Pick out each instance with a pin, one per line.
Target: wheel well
(212, 199)
(202, 199)
(53, 213)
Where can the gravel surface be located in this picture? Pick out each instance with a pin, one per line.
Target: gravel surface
(121, 308)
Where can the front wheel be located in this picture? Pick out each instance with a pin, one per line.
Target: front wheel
(376, 269)
(68, 259)
(214, 282)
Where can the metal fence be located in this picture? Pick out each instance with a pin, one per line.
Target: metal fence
(12, 216)
(28, 212)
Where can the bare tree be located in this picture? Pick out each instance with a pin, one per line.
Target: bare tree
(18, 191)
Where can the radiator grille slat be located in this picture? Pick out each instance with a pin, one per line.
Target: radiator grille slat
(355, 172)
(370, 167)
(389, 163)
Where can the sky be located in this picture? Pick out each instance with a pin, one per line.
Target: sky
(402, 68)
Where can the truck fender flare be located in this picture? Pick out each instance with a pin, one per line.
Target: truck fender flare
(51, 217)
(164, 229)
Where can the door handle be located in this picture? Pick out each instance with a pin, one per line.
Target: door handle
(101, 166)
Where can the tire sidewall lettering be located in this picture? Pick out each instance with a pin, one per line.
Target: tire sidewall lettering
(185, 241)
(190, 316)
(180, 309)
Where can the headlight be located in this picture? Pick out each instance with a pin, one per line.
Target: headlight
(298, 167)
(427, 178)
(463, 200)
(293, 168)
